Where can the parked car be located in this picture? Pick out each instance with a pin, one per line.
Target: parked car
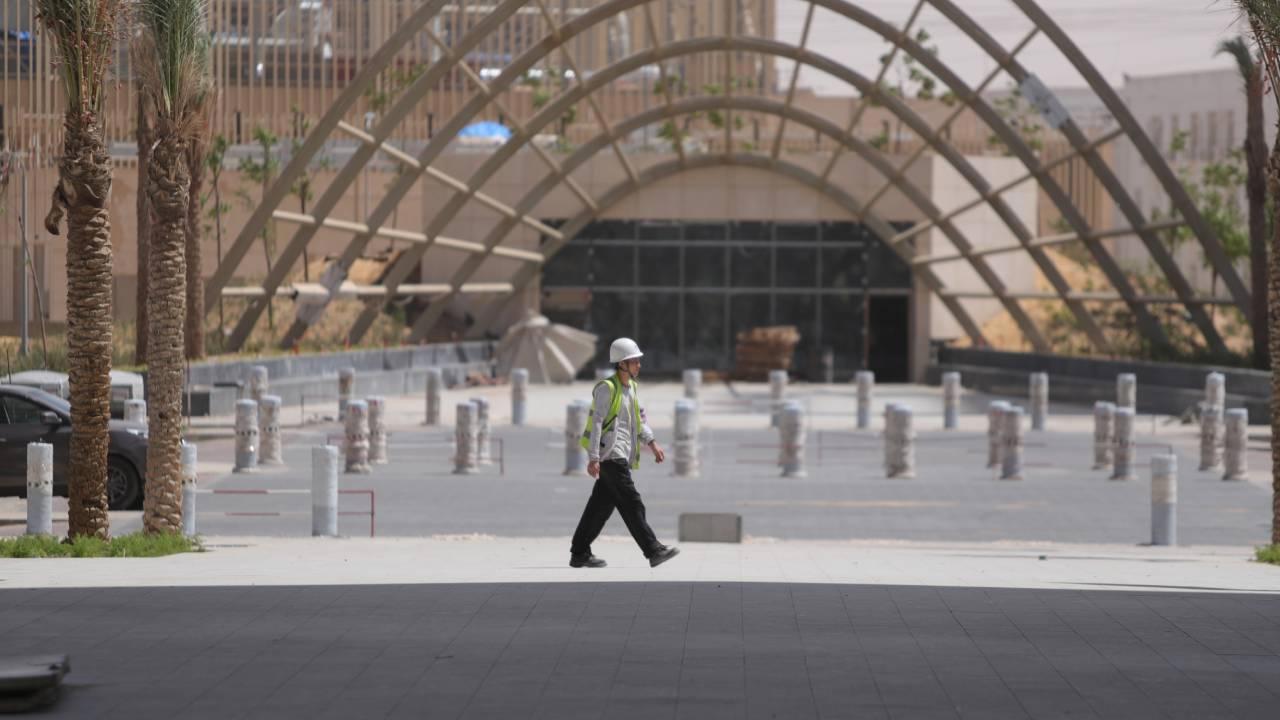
(30, 415)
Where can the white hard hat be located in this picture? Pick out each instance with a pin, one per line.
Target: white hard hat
(624, 349)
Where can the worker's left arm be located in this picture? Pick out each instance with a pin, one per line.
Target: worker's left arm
(646, 437)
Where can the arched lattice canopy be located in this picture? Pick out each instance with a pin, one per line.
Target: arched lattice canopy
(732, 41)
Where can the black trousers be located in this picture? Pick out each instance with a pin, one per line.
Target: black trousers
(614, 488)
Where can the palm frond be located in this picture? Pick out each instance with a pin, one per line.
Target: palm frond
(1263, 18)
(1238, 48)
(84, 33)
(171, 54)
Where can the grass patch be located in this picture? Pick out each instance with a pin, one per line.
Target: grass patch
(1269, 554)
(132, 545)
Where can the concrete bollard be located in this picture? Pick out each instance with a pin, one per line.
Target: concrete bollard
(269, 431)
(1164, 500)
(377, 430)
(324, 491)
(1123, 449)
(435, 384)
(899, 438)
(884, 436)
(603, 373)
(484, 455)
(1211, 437)
(1039, 390)
(575, 457)
(257, 383)
(792, 433)
(346, 383)
(190, 483)
(866, 381)
(1235, 459)
(995, 436)
(464, 439)
(519, 395)
(1215, 390)
(692, 384)
(356, 441)
(950, 400)
(1104, 414)
(135, 411)
(1011, 444)
(777, 395)
(686, 439)
(39, 489)
(246, 436)
(1127, 391)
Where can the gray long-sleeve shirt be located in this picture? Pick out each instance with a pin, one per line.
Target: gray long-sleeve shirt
(618, 443)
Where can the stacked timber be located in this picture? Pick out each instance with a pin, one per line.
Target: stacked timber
(762, 349)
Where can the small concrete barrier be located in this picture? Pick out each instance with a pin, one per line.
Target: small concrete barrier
(269, 431)
(692, 384)
(950, 400)
(257, 383)
(1011, 444)
(866, 384)
(246, 436)
(465, 456)
(484, 450)
(1211, 437)
(346, 384)
(792, 431)
(900, 438)
(324, 491)
(1215, 390)
(686, 439)
(1127, 391)
(435, 385)
(39, 489)
(190, 484)
(135, 411)
(519, 395)
(1164, 500)
(777, 395)
(710, 527)
(575, 457)
(377, 429)
(1104, 414)
(356, 437)
(995, 436)
(1039, 391)
(1235, 457)
(1124, 448)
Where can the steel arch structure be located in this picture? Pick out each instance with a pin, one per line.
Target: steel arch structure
(489, 93)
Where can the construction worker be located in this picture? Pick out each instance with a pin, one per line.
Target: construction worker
(615, 431)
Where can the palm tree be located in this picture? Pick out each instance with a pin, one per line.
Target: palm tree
(172, 57)
(197, 165)
(143, 210)
(84, 34)
(1255, 154)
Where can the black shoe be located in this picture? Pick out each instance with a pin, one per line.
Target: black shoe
(586, 561)
(663, 554)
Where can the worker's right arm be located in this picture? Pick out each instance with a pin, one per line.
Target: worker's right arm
(600, 400)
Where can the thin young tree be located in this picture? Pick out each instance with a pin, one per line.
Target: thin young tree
(171, 54)
(84, 35)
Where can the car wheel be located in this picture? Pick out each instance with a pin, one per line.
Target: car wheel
(124, 487)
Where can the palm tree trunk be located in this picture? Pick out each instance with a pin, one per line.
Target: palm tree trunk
(195, 282)
(143, 209)
(1273, 306)
(170, 184)
(1255, 153)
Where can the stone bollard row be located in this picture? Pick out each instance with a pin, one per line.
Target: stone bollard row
(866, 383)
(269, 431)
(1235, 446)
(190, 483)
(377, 430)
(791, 431)
(435, 385)
(324, 491)
(465, 459)
(1011, 443)
(995, 436)
(692, 384)
(686, 439)
(1127, 391)
(1164, 500)
(1211, 436)
(519, 395)
(257, 383)
(135, 412)
(575, 457)
(484, 454)
(899, 440)
(246, 436)
(777, 395)
(346, 383)
(950, 400)
(1123, 447)
(39, 489)
(1104, 415)
(356, 447)
(1039, 396)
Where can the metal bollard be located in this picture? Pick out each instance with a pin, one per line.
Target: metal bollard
(866, 381)
(575, 457)
(257, 383)
(377, 430)
(246, 436)
(435, 383)
(1123, 449)
(1164, 500)
(1127, 391)
(346, 382)
(519, 395)
(39, 489)
(950, 400)
(464, 439)
(777, 395)
(899, 437)
(190, 482)
(1211, 440)
(484, 455)
(1104, 414)
(1039, 390)
(324, 491)
(1235, 459)
(792, 431)
(135, 411)
(1011, 443)
(356, 449)
(269, 429)
(995, 437)
(686, 439)
(692, 384)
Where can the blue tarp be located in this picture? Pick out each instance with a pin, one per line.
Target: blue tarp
(487, 129)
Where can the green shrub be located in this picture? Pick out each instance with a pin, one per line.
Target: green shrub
(132, 545)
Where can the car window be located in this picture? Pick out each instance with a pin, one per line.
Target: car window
(21, 411)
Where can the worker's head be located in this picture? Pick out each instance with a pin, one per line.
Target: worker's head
(625, 355)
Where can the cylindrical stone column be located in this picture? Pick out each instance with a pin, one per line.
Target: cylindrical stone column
(1127, 391)
(1124, 448)
(950, 400)
(777, 395)
(269, 429)
(1211, 437)
(435, 385)
(1104, 414)
(519, 395)
(1164, 500)
(575, 457)
(190, 483)
(356, 447)
(377, 430)
(686, 439)
(324, 491)
(246, 436)
(1011, 444)
(995, 434)
(484, 455)
(792, 434)
(464, 439)
(692, 384)
(135, 412)
(257, 383)
(1235, 456)
(39, 489)
(866, 383)
(887, 444)
(346, 384)
(1039, 390)
(1215, 389)
(900, 442)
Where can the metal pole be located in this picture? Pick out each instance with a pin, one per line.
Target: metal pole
(23, 311)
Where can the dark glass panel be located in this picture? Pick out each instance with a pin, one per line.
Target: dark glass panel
(659, 265)
(751, 231)
(746, 312)
(797, 233)
(704, 331)
(886, 269)
(569, 267)
(659, 331)
(611, 316)
(797, 267)
(613, 266)
(843, 266)
(610, 230)
(750, 266)
(703, 232)
(704, 266)
(842, 321)
(800, 311)
(670, 232)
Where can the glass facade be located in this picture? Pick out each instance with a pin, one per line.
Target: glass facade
(684, 290)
